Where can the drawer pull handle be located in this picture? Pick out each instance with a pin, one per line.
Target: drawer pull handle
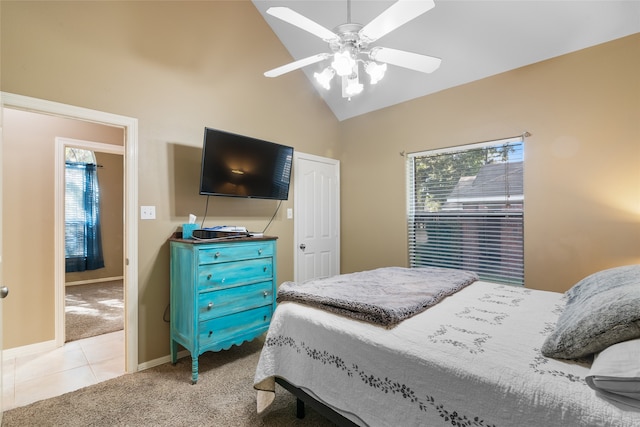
(210, 333)
(264, 268)
(208, 277)
(265, 293)
(217, 255)
(259, 251)
(210, 306)
(264, 318)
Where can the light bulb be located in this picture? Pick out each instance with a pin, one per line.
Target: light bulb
(343, 63)
(324, 78)
(376, 71)
(351, 84)
(353, 88)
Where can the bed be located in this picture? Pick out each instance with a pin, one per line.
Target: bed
(473, 357)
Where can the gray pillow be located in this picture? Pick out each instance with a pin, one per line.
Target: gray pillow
(602, 309)
(603, 280)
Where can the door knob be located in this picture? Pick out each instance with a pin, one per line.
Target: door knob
(303, 246)
(4, 291)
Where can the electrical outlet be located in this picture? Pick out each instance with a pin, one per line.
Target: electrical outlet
(147, 212)
(289, 213)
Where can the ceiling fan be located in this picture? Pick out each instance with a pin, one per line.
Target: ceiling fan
(350, 44)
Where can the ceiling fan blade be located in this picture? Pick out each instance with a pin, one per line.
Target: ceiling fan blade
(395, 16)
(296, 65)
(300, 21)
(401, 58)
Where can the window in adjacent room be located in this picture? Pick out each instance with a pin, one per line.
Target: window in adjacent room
(83, 243)
(466, 209)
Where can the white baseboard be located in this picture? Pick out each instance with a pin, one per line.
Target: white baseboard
(161, 360)
(89, 281)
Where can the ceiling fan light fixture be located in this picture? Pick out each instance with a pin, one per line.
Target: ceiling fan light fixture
(343, 63)
(349, 44)
(376, 71)
(324, 78)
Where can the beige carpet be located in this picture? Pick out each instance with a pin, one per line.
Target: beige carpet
(93, 309)
(164, 396)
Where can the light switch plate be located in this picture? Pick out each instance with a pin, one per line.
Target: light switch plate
(289, 213)
(147, 212)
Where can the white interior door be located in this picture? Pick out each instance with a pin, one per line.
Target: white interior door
(317, 217)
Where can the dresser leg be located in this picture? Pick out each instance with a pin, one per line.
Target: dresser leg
(174, 352)
(194, 369)
(299, 408)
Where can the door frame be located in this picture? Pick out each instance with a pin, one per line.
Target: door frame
(130, 126)
(297, 224)
(1, 253)
(59, 231)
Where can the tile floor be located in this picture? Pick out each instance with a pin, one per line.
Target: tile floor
(77, 364)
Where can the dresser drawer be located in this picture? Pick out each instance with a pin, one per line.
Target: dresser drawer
(222, 328)
(229, 274)
(221, 303)
(235, 252)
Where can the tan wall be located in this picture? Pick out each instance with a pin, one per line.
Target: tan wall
(176, 67)
(28, 218)
(582, 170)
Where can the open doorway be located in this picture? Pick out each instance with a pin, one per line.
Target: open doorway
(128, 129)
(90, 184)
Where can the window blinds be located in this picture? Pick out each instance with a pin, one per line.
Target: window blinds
(465, 209)
(83, 242)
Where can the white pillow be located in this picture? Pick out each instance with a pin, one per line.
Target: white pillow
(615, 373)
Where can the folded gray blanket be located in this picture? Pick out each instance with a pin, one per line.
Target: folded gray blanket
(384, 296)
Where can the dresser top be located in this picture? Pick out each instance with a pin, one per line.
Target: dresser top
(177, 237)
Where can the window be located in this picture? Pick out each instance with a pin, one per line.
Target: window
(83, 244)
(466, 209)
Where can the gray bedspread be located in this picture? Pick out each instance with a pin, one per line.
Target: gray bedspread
(384, 296)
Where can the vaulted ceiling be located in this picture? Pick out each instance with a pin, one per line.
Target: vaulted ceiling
(475, 39)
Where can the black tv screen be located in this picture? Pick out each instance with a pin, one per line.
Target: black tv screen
(241, 166)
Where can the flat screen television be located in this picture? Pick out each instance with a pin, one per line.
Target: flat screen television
(241, 166)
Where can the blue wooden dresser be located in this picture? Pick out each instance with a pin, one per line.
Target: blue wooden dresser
(222, 293)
